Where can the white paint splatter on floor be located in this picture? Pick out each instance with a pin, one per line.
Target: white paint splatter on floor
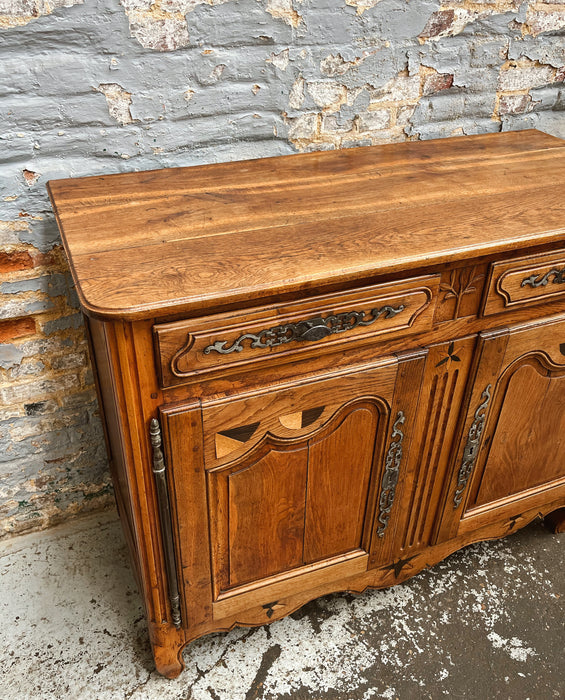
(514, 647)
(487, 622)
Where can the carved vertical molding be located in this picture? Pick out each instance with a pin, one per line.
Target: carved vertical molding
(435, 416)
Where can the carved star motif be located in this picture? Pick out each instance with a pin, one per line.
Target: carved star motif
(271, 607)
(451, 356)
(513, 520)
(398, 565)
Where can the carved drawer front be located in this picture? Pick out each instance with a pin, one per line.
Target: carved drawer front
(521, 281)
(225, 342)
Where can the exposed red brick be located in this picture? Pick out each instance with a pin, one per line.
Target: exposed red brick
(438, 23)
(437, 82)
(19, 260)
(53, 258)
(514, 104)
(16, 328)
(30, 177)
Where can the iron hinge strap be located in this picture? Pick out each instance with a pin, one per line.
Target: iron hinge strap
(471, 449)
(159, 470)
(391, 473)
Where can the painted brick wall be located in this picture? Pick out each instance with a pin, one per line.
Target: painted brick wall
(108, 86)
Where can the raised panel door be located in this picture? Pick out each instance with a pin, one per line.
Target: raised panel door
(340, 463)
(291, 502)
(301, 486)
(526, 433)
(264, 503)
(510, 458)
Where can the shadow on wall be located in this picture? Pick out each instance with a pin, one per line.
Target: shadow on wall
(52, 459)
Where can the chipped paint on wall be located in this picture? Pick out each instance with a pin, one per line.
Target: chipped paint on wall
(118, 100)
(51, 447)
(453, 17)
(544, 17)
(337, 65)
(162, 25)
(380, 114)
(362, 5)
(104, 87)
(517, 79)
(16, 13)
(280, 60)
(285, 10)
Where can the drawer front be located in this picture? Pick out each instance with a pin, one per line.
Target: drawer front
(528, 280)
(226, 342)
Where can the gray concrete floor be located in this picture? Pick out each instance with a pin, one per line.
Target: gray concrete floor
(486, 623)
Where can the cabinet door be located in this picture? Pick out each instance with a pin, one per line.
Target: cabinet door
(292, 502)
(510, 458)
(302, 484)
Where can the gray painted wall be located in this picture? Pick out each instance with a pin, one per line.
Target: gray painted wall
(105, 87)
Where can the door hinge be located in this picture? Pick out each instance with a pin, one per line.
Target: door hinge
(391, 473)
(159, 470)
(471, 449)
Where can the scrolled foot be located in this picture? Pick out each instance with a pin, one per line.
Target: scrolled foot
(555, 521)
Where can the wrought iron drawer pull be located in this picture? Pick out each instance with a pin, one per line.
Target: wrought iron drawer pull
(309, 330)
(391, 473)
(471, 450)
(542, 280)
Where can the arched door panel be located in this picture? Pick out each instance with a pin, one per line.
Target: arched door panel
(289, 503)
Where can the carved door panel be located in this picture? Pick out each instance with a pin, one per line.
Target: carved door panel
(511, 451)
(292, 502)
(303, 483)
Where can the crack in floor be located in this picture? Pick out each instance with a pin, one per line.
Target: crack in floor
(409, 641)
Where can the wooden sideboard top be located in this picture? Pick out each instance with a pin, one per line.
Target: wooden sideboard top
(184, 240)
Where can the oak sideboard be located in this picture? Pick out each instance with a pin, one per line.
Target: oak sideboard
(323, 372)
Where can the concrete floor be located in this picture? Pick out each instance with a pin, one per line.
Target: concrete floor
(486, 623)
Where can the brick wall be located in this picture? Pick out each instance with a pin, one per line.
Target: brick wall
(105, 87)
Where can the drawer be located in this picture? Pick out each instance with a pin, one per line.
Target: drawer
(226, 342)
(518, 282)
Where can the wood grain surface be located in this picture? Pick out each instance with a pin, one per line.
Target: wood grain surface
(188, 239)
(361, 453)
